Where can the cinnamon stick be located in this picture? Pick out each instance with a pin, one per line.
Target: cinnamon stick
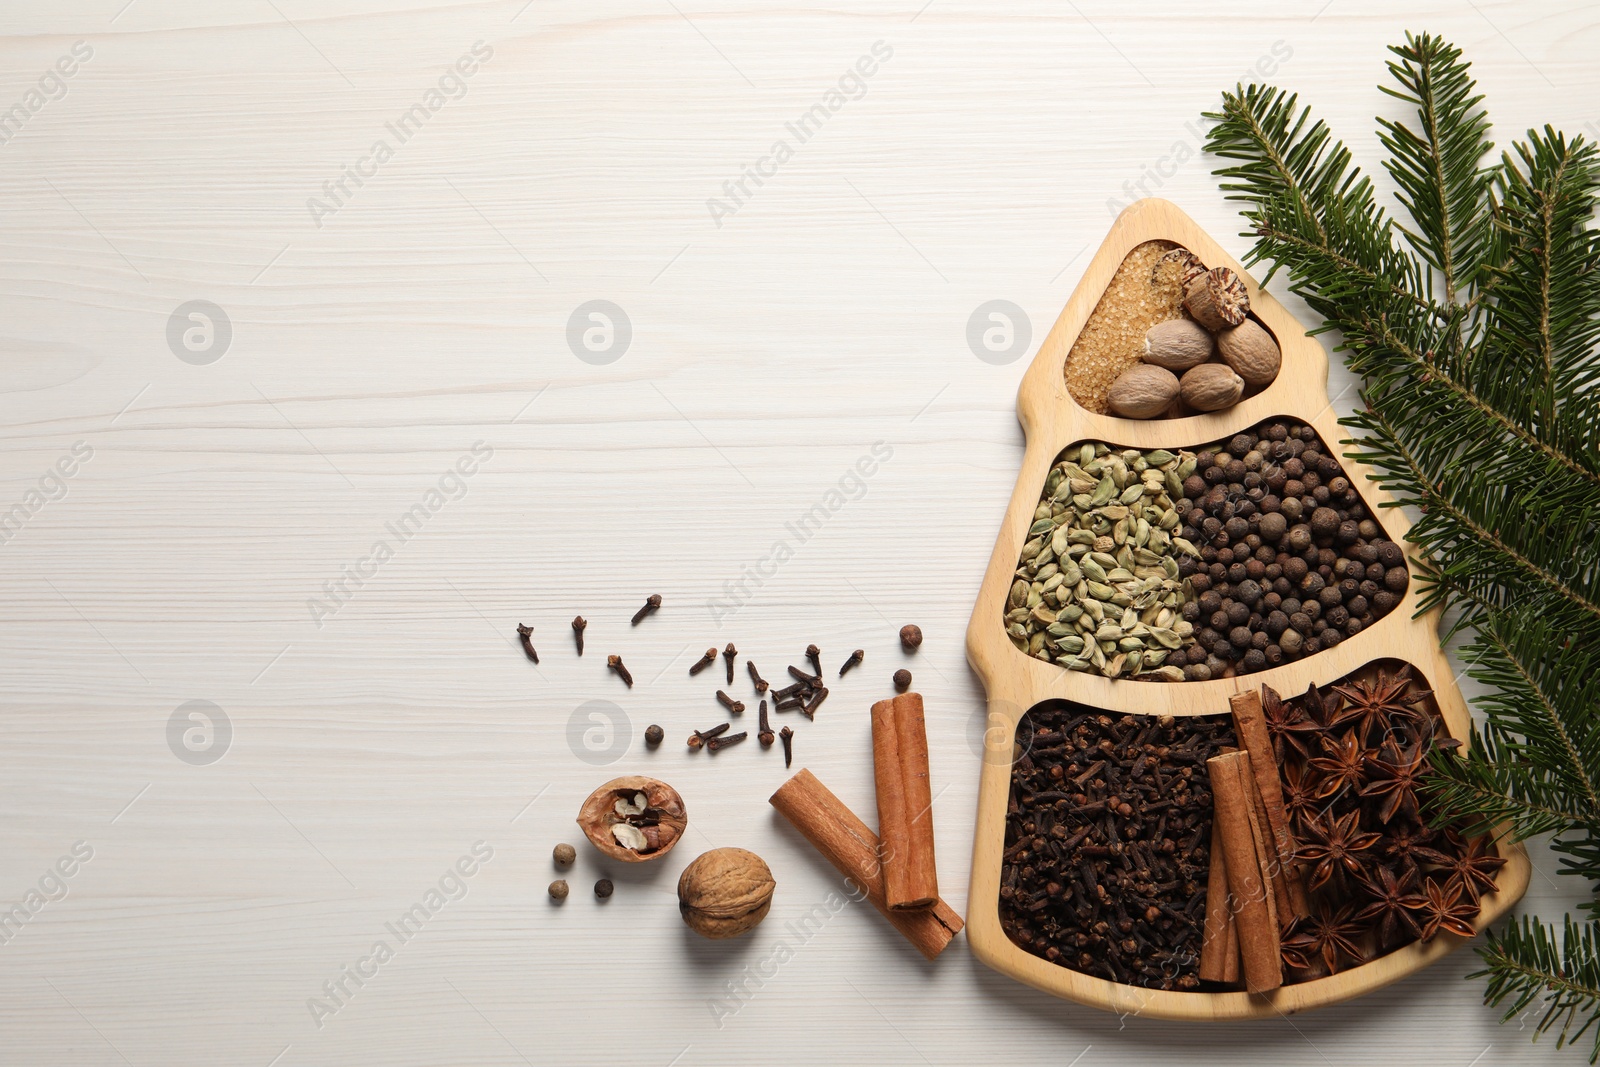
(1252, 901)
(847, 843)
(1251, 728)
(905, 801)
(1219, 950)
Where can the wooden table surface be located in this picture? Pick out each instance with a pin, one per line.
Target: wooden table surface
(319, 501)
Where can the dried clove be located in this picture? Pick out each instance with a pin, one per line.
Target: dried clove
(814, 654)
(577, 631)
(817, 697)
(615, 663)
(728, 654)
(765, 736)
(855, 659)
(811, 681)
(735, 707)
(717, 744)
(787, 736)
(792, 703)
(755, 676)
(525, 634)
(652, 604)
(700, 737)
(703, 662)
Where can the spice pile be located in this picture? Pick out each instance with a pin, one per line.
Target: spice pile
(1170, 338)
(1107, 843)
(1291, 561)
(1189, 567)
(1352, 757)
(1099, 583)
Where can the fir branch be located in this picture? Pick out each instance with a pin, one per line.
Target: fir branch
(1438, 168)
(1481, 410)
(1524, 966)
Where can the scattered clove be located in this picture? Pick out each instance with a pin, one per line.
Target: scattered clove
(703, 662)
(808, 681)
(755, 676)
(717, 744)
(615, 663)
(818, 695)
(855, 659)
(524, 634)
(700, 737)
(787, 735)
(735, 707)
(652, 604)
(728, 654)
(765, 736)
(790, 703)
(814, 654)
(577, 631)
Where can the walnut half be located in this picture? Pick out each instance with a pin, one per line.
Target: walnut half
(634, 819)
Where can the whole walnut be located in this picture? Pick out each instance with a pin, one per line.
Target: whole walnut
(725, 892)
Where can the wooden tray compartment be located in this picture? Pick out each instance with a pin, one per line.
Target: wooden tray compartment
(1015, 682)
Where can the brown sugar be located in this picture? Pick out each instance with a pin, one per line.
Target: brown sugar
(1145, 290)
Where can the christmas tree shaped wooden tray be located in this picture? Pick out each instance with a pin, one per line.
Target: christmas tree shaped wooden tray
(1314, 596)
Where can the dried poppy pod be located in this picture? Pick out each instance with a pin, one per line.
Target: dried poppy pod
(634, 819)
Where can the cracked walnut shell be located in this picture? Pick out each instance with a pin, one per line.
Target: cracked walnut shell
(634, 818)
(725, 892)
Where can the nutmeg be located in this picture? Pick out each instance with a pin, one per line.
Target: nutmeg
(1143, 391)
(1251, 352)
(1178, 344)
(725, 892)
(634, 818)
(1217, 299)
(1211, 387)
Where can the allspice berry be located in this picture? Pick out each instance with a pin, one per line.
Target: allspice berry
(603, 888)
(558, 889)
(725, 892)
(910, 637)
(653, 735)
(564, 855)
(902, 680)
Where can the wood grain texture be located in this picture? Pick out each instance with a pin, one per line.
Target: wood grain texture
(430, 312)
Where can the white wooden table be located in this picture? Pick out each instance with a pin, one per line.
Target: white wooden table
(216, 538)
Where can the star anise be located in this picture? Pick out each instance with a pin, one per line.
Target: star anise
(1288, 725)
(1446, 907)
(1324, 711)
(1397, 776)
(1393, 901)
(1402, 841)
(1335, 845)
(1299, 794)
(1344, 765)
(1474, 867)
(1446, 847)
(1373, 706)
(1329, 935)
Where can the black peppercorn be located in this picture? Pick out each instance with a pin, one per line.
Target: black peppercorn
(603, 888)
